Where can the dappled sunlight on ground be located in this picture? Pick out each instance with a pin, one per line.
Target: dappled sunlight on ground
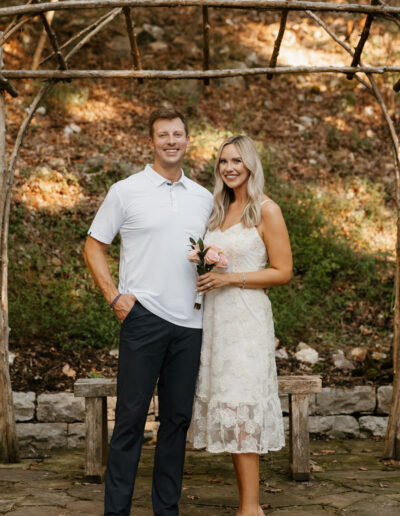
(93, 110)
(50, 190)
(306, 43)
(358, 209)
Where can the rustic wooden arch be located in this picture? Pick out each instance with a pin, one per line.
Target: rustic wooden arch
(23, 14)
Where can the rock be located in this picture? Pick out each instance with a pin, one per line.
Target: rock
(11, 358)
(282, 354)
(341, 362)
(114, 352)
(378, 355)
(302, 345)
(61, 406)
(308, 355)
(384, 397)
(71, 128)
(158, 46)
(41, 110)
(156, 31)
(43, 436)
(268, 104)
(94, 163)
(345, 401)
(76, 435)
(335, 426)
(358, 354)
(224, 51)
(307, 121)
(374, 425)
(24, 405)
(251, 59)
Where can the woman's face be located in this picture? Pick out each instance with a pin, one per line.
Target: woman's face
(231, 167)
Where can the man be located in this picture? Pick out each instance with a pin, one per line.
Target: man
(156, 211)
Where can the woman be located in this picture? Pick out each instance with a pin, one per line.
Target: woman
(237, 407)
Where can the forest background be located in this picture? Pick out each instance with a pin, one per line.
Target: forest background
(327, 161)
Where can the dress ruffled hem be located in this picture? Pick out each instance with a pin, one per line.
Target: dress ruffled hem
(237, 427)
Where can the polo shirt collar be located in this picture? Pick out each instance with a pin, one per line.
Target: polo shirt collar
(159, 180)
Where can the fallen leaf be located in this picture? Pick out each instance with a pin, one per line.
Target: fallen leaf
(272, 490)
(316, 468)
(363, 468)
(68, 371)
(382, 485)
(192, 497)
(327, 451)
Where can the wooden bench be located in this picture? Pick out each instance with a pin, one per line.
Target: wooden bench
(96, 390)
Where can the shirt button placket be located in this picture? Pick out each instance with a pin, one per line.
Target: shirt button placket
(174, 204)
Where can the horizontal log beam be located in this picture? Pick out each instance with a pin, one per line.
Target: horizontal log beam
(299, 5)
(189, 74)
(97, 387)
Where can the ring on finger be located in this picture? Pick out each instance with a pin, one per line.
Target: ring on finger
(208, 285)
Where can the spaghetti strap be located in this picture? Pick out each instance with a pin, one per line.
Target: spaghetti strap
(266, 200)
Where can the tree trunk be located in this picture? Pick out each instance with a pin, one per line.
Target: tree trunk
(8, 431)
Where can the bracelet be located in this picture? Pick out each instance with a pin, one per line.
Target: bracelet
(243, 281)
(115, 300)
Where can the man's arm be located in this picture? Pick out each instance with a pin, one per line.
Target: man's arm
(95, 258)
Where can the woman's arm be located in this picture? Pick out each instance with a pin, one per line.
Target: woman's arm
(276, 239)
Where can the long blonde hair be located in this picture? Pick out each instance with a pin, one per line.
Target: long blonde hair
(223, 196)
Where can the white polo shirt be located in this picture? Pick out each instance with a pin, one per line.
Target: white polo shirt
(156, 218)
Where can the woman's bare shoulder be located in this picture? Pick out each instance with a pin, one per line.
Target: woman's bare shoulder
(269, 207)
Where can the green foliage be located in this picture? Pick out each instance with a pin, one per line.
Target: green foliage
(52, 297)
(328, 274)
(65, 95)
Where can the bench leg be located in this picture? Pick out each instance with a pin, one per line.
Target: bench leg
(299, 439)
(96, 430)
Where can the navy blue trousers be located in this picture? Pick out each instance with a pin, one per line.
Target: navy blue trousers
(150, 349)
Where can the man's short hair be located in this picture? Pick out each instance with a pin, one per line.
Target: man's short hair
(166, 114)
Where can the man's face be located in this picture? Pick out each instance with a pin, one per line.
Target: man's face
(169, 142)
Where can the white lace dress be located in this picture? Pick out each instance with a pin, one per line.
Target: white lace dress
(236, 407)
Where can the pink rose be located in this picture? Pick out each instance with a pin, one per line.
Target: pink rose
(223, 261)
(212, 257)
(193, 254)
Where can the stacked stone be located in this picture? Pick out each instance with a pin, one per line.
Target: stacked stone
(56, 420)
(361, 411)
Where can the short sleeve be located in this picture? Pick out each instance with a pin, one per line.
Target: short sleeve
(108, 219)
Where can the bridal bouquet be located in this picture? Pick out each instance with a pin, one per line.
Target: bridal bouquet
(205, 258)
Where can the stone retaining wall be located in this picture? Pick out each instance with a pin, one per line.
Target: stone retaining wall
(56, 420)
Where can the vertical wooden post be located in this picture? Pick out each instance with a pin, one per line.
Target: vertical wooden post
(94, 439)
(8, 431)
(130, 27)
(104, 436)
(299, 437)
(206, 43)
